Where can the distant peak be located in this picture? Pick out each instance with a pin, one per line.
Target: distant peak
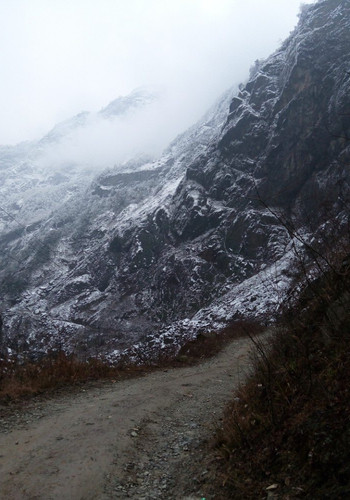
(138, 98)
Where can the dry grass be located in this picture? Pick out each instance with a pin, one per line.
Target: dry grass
(23, 379)
(209, 344)
(290, 424)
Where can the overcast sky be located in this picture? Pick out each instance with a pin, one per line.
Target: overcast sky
(59, 57)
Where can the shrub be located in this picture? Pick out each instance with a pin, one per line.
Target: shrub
(289, 424)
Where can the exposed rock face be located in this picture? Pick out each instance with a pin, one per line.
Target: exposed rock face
(160, 249)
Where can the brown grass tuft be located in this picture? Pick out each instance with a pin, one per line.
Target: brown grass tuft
(57, 369)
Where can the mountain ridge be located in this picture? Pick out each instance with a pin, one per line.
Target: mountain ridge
(192, 242)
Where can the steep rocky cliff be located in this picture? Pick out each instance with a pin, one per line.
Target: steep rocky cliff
(156, 251)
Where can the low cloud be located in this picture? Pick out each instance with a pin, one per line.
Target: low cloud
(58, 58)
(103, 142)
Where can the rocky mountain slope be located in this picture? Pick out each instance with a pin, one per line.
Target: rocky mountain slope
(35, 179)
(157, 251)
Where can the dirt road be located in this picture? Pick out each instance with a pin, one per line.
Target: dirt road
(142, 438)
